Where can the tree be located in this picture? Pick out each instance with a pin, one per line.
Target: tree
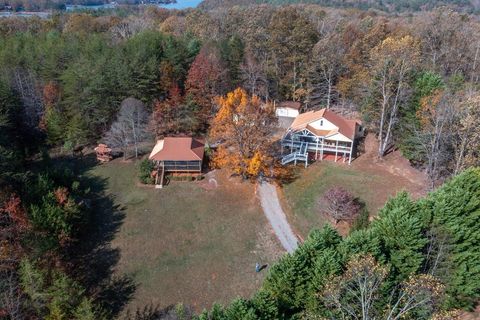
(254, 76)
(356, 294)
(392, 60)
(175, 115)
(453, 208)
(434, 135)
(205, 80)
(326, 66)
(51, 121)
(243, 126)
(424, 85)
(232, 51)
(291, 39)
(467, 139)
(130, 126)
(339, 204)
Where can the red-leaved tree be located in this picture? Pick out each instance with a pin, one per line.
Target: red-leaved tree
(205, 81)
(339, 204)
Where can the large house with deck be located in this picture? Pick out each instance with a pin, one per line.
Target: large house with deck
(320, 134)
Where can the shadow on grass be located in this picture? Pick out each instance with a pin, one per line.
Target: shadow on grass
(92, 255)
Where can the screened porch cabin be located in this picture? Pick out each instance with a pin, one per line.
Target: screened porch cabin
(178, 155)
(319, 134)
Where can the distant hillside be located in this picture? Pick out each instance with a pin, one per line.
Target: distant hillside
(384, 5)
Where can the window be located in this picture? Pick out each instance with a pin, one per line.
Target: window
(321, 123)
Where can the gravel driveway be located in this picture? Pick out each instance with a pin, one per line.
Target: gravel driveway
(275, 215)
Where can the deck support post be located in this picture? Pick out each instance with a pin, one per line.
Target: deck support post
(321, 149)
(316, 151)
(351, 150)
(336, 150)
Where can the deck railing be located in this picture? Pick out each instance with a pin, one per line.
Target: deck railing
(312, 146)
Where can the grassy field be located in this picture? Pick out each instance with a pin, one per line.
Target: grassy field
(300, 196)
(185, 243)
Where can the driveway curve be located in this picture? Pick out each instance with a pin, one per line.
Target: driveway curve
(275, 215)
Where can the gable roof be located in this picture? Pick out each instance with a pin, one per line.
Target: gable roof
(345, 126)
(178, 149)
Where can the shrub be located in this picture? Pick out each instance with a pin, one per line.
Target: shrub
(361, 221)
(146, 168)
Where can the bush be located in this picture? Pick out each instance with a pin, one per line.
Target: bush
(146, 168)
(361, 221)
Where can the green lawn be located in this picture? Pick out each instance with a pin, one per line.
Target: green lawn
(374, 188)
(187, 244)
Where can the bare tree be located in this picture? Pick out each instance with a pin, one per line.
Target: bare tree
(392, 60)
(434, 137)
(131, 26)
(447, 44)
(356, 293)
(339, 204)
(467, 135)
(326, 67)
(130, 128)
(28, 87)
(418, 292)
(11, 298)
(254, 78)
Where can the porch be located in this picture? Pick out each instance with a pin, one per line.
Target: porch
(320, 147)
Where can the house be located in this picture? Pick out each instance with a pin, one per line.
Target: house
(177, 155)
(288, 109)
(321, 133)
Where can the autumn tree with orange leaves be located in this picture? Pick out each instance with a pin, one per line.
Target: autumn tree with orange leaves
(243, 126)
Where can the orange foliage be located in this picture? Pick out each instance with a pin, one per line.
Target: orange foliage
(61, 195)
(244, 126)
(428, 105)
(51, 93)
(14, 209)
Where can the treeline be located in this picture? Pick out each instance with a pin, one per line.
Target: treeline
(43, 210)
(417, 260)
(413, 80)
(387, 6)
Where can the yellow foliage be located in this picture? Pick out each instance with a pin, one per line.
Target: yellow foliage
(243, 125)
(256, 164)
(398, 50)
(427, 108)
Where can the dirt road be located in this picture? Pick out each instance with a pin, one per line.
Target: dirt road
(275, 215)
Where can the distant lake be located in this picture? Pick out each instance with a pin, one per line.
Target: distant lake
(182, 4)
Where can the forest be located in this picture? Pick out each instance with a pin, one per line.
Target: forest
(387, 6)
(414, 80)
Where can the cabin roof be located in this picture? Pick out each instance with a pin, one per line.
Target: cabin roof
(290, 105)
(345, 126)
(178, 149)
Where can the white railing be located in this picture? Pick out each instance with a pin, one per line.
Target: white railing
(312, 146)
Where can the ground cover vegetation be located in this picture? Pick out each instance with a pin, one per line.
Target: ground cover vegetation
(413, 79)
